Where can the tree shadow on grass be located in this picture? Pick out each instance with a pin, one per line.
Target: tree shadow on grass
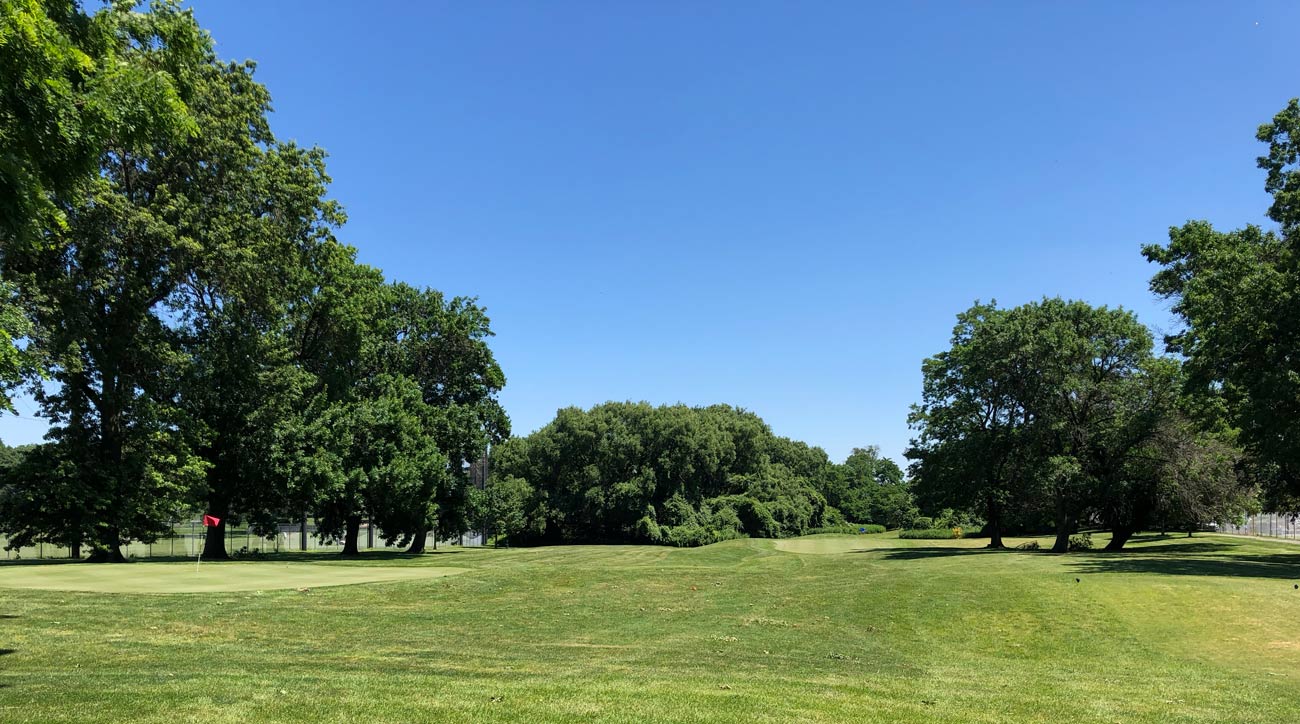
(1180, 562)
(916, 553)
(1183, 557)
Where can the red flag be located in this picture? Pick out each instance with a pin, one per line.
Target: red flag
(211, 521)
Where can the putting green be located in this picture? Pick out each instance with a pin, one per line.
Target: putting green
(826, 544)
(184, 578)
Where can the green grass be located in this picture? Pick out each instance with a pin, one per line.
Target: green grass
(213, 577)
(829, 628)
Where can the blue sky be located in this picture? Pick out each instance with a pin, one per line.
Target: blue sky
(780, 206)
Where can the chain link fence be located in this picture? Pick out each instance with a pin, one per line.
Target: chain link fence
(188, 538)
(1268, 525)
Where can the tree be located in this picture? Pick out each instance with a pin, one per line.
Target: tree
(441, 345)
(386, 465)
(101, 289)
(504, 505)
(868, 488)
(257, 210)
(16, 364)
(674, 474)
(1056, 408)
(73, 86)
(1238, 296)
(971, 451)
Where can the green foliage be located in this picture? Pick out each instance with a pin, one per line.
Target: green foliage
(1081, 542)
(1059, 410)
(170, 266)
(848, 528)
(674, 475)
(1236, 294)
(870, 488)
(72, 86)
(930, 533)
(504, 505)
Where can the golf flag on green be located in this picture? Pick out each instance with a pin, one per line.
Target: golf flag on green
(209, 521)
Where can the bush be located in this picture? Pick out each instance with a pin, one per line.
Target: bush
(691, 535)
(1081, 542)
(1028, 546)
(930, 533)
(922, 522)
(849, 528)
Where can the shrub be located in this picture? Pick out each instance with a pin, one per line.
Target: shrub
(922, 522)
(1028, 546)
(930, 533)
(690, 535)
(850, 528)
(1081, 542)
(754, 517)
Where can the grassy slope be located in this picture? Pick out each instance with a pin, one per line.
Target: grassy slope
(1205, 629)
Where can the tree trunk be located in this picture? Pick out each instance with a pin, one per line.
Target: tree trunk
(995, 524)
(214, 538)
(109, 549)
(1118, 537)
(351, 536)
(75, 552)
(1062, 533)
(995, 537)
(418, 542)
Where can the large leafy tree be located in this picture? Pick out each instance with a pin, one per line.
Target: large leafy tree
(263, 228)
(673, 474)
(441, 345)
(1058, 408)
(72, 85)
(972, 446)
(1238, 295)
(870, 488)
(104, 289)
(386, 465)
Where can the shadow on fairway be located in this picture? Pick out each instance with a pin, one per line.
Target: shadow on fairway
(912, 554)
(6, 652)
(1181, 562)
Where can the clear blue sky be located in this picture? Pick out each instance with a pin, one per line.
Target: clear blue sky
(775, 205)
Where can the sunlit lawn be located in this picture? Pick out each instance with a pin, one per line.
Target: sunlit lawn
(829, 629)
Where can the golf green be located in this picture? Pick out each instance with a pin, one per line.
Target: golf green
(208, 577)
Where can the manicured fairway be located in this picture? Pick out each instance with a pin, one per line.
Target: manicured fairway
(1205, 629)
(159, 577)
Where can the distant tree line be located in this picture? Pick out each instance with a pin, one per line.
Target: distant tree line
(172, 295)
(678, 475)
